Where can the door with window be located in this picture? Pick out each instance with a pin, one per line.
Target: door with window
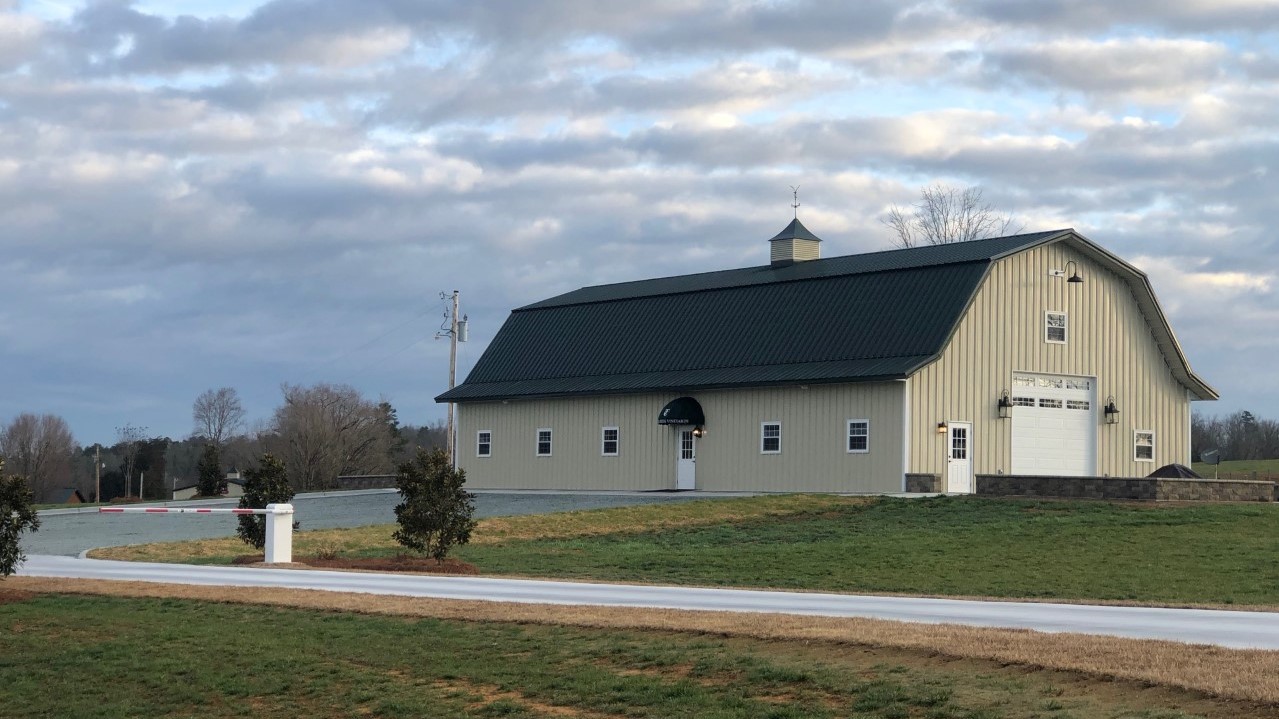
(959, 461)
(685, 459)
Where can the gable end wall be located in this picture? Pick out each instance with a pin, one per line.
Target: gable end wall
(1003, 332)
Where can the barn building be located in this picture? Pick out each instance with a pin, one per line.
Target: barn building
(1033, 354)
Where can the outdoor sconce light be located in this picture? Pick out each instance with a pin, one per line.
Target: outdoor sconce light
(1005, 406)
(1112, 412)
(699, 432)
(941, 428)
(1075, 279)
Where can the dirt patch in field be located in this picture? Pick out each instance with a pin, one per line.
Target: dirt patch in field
(487, 694)
(12, 596)
(398, 563)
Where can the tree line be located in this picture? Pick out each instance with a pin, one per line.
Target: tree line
(318, 432)
(1241, 435)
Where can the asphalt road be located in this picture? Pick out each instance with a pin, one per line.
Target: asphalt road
(1255, 630)
(72, 531)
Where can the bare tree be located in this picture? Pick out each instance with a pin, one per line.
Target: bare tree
(41, 448)
(129, 441)
(217, 415)
(946, 214)
(325, 431)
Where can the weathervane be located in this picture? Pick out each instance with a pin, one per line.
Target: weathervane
(794, 190)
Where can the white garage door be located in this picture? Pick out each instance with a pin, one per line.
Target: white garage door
(1054, 425)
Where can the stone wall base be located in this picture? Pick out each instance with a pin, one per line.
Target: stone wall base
(923, 483)
(1137, 488)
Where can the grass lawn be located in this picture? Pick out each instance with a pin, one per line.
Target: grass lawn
(82, 656)
(968, 546)
(1238, 467)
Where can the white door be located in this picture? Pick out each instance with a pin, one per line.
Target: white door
(959, 459)
(1054, 425)
(686, 459)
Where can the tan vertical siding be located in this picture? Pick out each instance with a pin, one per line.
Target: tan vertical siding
(1003, 332)
(814, 453)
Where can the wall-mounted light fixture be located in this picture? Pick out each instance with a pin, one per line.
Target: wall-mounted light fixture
(1112, 412)
(1072, 269)
(1005, 406)
(699, 431)
(941, 428)
(1075, 279)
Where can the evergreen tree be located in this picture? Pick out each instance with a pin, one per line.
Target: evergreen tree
(267, 484)
(17, 514)
(435, 513)
(209, 472)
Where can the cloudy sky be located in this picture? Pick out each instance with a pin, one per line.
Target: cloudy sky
(234, 193)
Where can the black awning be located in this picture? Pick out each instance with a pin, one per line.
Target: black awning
(684, 410)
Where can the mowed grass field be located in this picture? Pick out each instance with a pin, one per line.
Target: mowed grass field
(1239, 467)
(72, 656)
(1222, 554)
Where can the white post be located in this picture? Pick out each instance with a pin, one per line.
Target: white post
(279, 534)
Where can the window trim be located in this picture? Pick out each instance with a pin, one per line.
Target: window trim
(537, 442)
(1135, 434)
(848, 436)
(489, 453)
(1065, 328)
(769, 423)
(617, 441)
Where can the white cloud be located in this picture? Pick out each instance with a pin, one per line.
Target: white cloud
(255, 188)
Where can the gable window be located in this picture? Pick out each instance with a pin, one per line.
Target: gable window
(611, 440)
(858, 436)
(544, 442)
(770, 438)
(1143, 445)
(484, 443)
(1055, 327)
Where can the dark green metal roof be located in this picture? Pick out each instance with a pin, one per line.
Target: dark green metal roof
(795, 231)
(864, 317)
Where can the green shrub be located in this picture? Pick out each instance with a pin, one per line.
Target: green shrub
(266, 484)
(435, 513)
(17, 514)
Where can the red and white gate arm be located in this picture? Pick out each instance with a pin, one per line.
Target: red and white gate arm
(279, 524)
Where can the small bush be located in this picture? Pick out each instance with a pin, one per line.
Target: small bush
(266, 484)
(435, 513)
(17, 514)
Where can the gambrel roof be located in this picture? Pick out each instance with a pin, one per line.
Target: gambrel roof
(857, 318)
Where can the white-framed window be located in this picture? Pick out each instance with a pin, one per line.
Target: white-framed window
(1055, 327)
(770, 438)
(610, 441)
(1023, 401)
(858, 436)
(1049, 403)
(484, 443)
(544, 442)
(1143, 445)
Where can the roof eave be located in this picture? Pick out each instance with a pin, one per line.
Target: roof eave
(889, 377)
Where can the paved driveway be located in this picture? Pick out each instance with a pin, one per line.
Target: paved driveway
(1258, 630)
(72, 531)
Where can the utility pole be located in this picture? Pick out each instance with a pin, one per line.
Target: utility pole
(452, 371)
(97, 473)
(456, 331)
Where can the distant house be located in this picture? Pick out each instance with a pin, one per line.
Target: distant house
(68, 495)
(1034, 354)
(187, 488)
